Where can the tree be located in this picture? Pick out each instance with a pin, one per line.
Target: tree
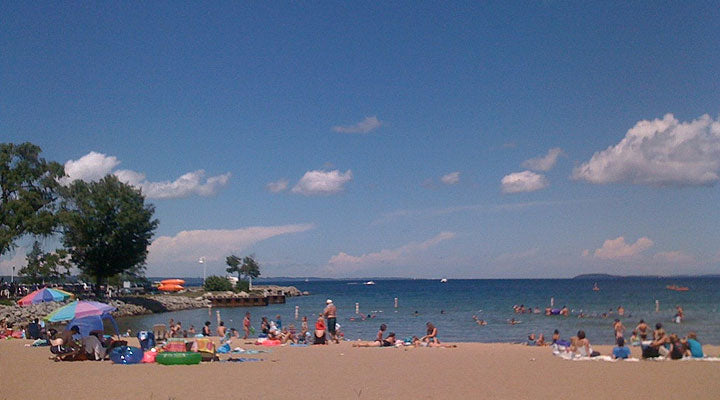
(28, 193)
(107, 227)
(45, 267)
(249, 267)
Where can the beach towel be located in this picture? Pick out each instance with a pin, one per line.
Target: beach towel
(225, 348)
(242, 359)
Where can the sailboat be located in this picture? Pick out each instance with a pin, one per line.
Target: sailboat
(443, 280)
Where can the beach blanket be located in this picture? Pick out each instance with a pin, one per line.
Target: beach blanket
(575, 357)
(238, 350)
(242, 359)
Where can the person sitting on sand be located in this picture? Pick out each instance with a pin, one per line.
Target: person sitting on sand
(381, 332)
(635, 339)
(661, 343)
(581, 346)
(431, 335)
(677, 349)
(541, 340)
(620, 351)
(693, 346)
(320, 330)
(531, 340)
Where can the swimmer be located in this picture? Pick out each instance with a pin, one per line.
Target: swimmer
(619, 329)
(679, 314)
(564, 311)
(512, 321)
(621, 311)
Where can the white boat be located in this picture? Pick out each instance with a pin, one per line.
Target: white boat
(443, 280)
(369, 283)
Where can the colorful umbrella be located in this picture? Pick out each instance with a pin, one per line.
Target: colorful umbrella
(44, 295)
(79, 309)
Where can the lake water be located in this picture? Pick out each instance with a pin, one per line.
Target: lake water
(450, 306)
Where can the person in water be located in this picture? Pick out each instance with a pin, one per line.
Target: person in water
(642, 329)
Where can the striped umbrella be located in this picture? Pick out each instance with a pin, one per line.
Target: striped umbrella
(44, 295)
(79, 309)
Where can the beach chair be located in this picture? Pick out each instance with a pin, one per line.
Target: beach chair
(160, 332)
(206, 348)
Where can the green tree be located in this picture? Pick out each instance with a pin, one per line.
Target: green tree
(247, 267)
(28, 193)
(45, 267)
(215, 283)
(107, 227)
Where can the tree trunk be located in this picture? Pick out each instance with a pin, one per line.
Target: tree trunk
(98, 290)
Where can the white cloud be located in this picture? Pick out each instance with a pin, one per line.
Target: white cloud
(213, 244)
(451, 178)
(366, 125)
(525, 181)
(614, 249)
(90, 167)
(94, 166)
(544, 163)
(344, 263)
(322, 182)
(278, 186)
(659, 152)
(674, 257)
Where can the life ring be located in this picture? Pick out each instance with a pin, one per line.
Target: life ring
(176, 358)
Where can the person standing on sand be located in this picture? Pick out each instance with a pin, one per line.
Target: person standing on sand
(246, 325)
(330, 313)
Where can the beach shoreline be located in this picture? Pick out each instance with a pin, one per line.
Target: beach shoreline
(472, 370)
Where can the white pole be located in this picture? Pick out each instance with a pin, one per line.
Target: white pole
(12, 275)
(202, 261)
(657, 305)
(552, 301)
(357, 308)
(396, 302)
(250, 283)
(297, 312)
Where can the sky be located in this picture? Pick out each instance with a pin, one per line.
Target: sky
(538, 139)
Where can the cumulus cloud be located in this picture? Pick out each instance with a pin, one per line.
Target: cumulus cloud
(213, 244)
(90, 167)
(344, 263)
(366, 125)
(525, 181)
(451, 178)
(614, 249)
(674, 257)
(278, 186)
(659, 152)
(94, 166)
(544, 163)
(319, 182)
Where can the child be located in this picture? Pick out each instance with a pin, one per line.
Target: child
(620, 351)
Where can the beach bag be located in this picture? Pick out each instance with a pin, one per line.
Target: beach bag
(176, 345)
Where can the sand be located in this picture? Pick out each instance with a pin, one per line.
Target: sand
(470, 371)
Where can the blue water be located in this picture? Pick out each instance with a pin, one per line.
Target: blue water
(450, 306)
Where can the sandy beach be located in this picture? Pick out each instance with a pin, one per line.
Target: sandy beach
(470, 371)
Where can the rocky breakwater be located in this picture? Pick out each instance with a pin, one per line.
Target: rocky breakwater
(126, 306)
(274, 290)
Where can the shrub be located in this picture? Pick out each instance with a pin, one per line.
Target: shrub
(217, 284)
(242, 286)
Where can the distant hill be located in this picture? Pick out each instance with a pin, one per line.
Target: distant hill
(599, 277)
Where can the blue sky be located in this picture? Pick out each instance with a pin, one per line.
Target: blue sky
(416, 139)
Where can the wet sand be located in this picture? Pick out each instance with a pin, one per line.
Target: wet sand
(470, 371)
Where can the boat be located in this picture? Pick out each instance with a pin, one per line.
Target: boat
(369, 283)
(595, 287)
(443, 280)
(677, 288)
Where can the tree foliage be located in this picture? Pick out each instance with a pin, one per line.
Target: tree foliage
(216, 283)
(107, 227)
(28, 193)
(247, 266)
(45, 267)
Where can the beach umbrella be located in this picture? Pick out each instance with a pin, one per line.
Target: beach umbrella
(44, 295)
(79, 309)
